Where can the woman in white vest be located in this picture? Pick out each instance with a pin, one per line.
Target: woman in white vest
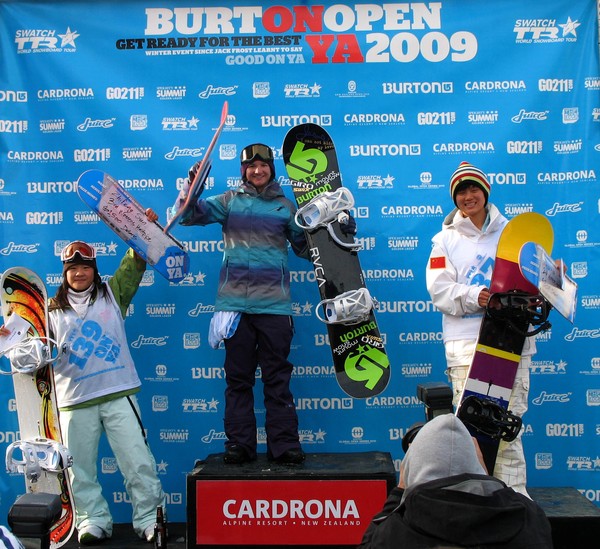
(96, 382)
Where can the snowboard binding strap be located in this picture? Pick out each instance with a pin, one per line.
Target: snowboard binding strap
(32, 354)
(36, 455)
(518, 309)
(350, 307)
(324, 209)
(489, 418)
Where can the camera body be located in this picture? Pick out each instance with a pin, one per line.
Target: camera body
(437, 397)
(482, 416)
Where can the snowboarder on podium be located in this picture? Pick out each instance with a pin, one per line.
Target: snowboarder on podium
(253, 306)
(459, 273)
(96, 382)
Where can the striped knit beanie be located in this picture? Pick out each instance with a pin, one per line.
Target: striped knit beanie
(467, 173)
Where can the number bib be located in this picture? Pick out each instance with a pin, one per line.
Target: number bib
(98, 361)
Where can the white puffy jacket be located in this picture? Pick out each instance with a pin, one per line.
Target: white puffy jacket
(460, 266)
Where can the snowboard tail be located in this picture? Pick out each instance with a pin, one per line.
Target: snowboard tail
(360, 361)
(185, 202)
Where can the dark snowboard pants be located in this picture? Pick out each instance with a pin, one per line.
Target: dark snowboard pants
(260, 340)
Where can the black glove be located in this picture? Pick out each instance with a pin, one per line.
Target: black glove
(192, 172)
(348, 225)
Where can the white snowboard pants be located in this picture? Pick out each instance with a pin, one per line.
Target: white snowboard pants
(510, 463)
(81, 430)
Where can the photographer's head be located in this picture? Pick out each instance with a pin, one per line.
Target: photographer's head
(443, 447)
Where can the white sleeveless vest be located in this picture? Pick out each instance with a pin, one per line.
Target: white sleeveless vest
(98, 361)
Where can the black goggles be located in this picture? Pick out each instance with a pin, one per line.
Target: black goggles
(258, 150)
(77, 247)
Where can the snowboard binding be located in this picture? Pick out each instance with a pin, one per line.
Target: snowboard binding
(33, 354)
(350, 307)
(520, 309)
(30, 457)
(324, 209)
(489, 418)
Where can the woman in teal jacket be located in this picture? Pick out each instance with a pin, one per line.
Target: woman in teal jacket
(254, 298)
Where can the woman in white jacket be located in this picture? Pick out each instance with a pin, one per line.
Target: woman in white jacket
(459, 272)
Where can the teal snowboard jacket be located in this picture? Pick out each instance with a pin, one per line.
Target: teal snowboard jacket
(254, 276)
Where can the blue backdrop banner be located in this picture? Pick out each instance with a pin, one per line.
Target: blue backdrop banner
(407, 91)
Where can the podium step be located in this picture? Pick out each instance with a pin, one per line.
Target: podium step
(328, 501)
(574, 519)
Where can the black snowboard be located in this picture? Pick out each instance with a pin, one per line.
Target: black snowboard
(359, 357)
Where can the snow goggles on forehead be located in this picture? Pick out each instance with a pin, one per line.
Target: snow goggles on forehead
(257, 150)
(77, 247)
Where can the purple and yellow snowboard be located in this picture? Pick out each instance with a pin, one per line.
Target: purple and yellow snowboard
(502, 337)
